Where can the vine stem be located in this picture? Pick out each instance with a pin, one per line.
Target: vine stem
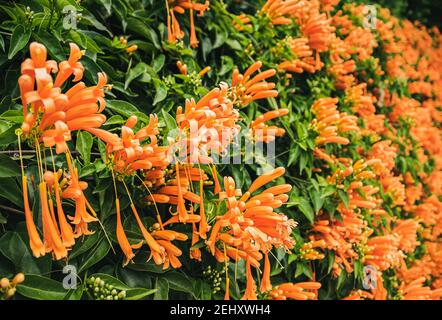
(10, 209)
(34, 152)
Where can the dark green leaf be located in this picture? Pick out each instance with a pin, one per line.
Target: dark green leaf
(19, 39)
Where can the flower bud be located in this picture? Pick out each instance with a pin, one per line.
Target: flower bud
(19, 278)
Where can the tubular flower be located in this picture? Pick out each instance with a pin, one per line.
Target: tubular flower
(129, 154)
(416, 290)
(382, 252)
(207, 127)
(51, 234)
(37, 247)
(406, 231)
(246, 88)
(318, 29)
(242, 22)
(295, 291)
(174, 31)
(341, 236)
(52, 180)
(53, 115)
(250, 227)
(177, 191)
(329, 122)
(303, 59)
(263, 132)
(74, 191)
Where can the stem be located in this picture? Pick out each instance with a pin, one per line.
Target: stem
(10, 209)
(52, 13)
(34, 152)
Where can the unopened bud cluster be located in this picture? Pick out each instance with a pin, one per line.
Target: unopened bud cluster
(29, 14)
(100, 290)
(214, 276)
(8, 288)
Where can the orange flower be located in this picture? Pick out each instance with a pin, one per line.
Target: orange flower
(247, 89)
(179, 6)
(122, 238)
(75, 192)
(330, 122)
(37, 246)
(263, 132)
(295, 291)
(250, 226)
(51, 234)
(71, 66)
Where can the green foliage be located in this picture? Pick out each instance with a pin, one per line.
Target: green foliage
(148, 81)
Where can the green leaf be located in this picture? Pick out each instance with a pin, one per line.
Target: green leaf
(13, 115)
(41, 288)
(3, 219)
(2, 43)
(158, 63)
(169, 121)
(8, 137)
(162, 292)
(318, 202)
(84, 145)
(178, 281)
(203, 290)
(9, 190)
(95, 255)
(84, 245)
(9, 168)
(303, 206)
(13, 247)
(121, 107)
(161, 92)
(140, 69)
(19, 39)
(344, 197)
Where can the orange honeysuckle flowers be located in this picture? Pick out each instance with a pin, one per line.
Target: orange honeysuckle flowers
(263, 132)
(383, 252)
(206, 127)
(128, 154)
(71, 66)
(246, 88)
(250, 227)
(35, 242)
(341, 236)
(330, 122)
(416, 290)
(242, 22)
(295, 291)
(280, 11)
(318, 29)
(49, 118)
(84, 212)
(303, 58)
(406, 230)
(53, 115)
(174, 31)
